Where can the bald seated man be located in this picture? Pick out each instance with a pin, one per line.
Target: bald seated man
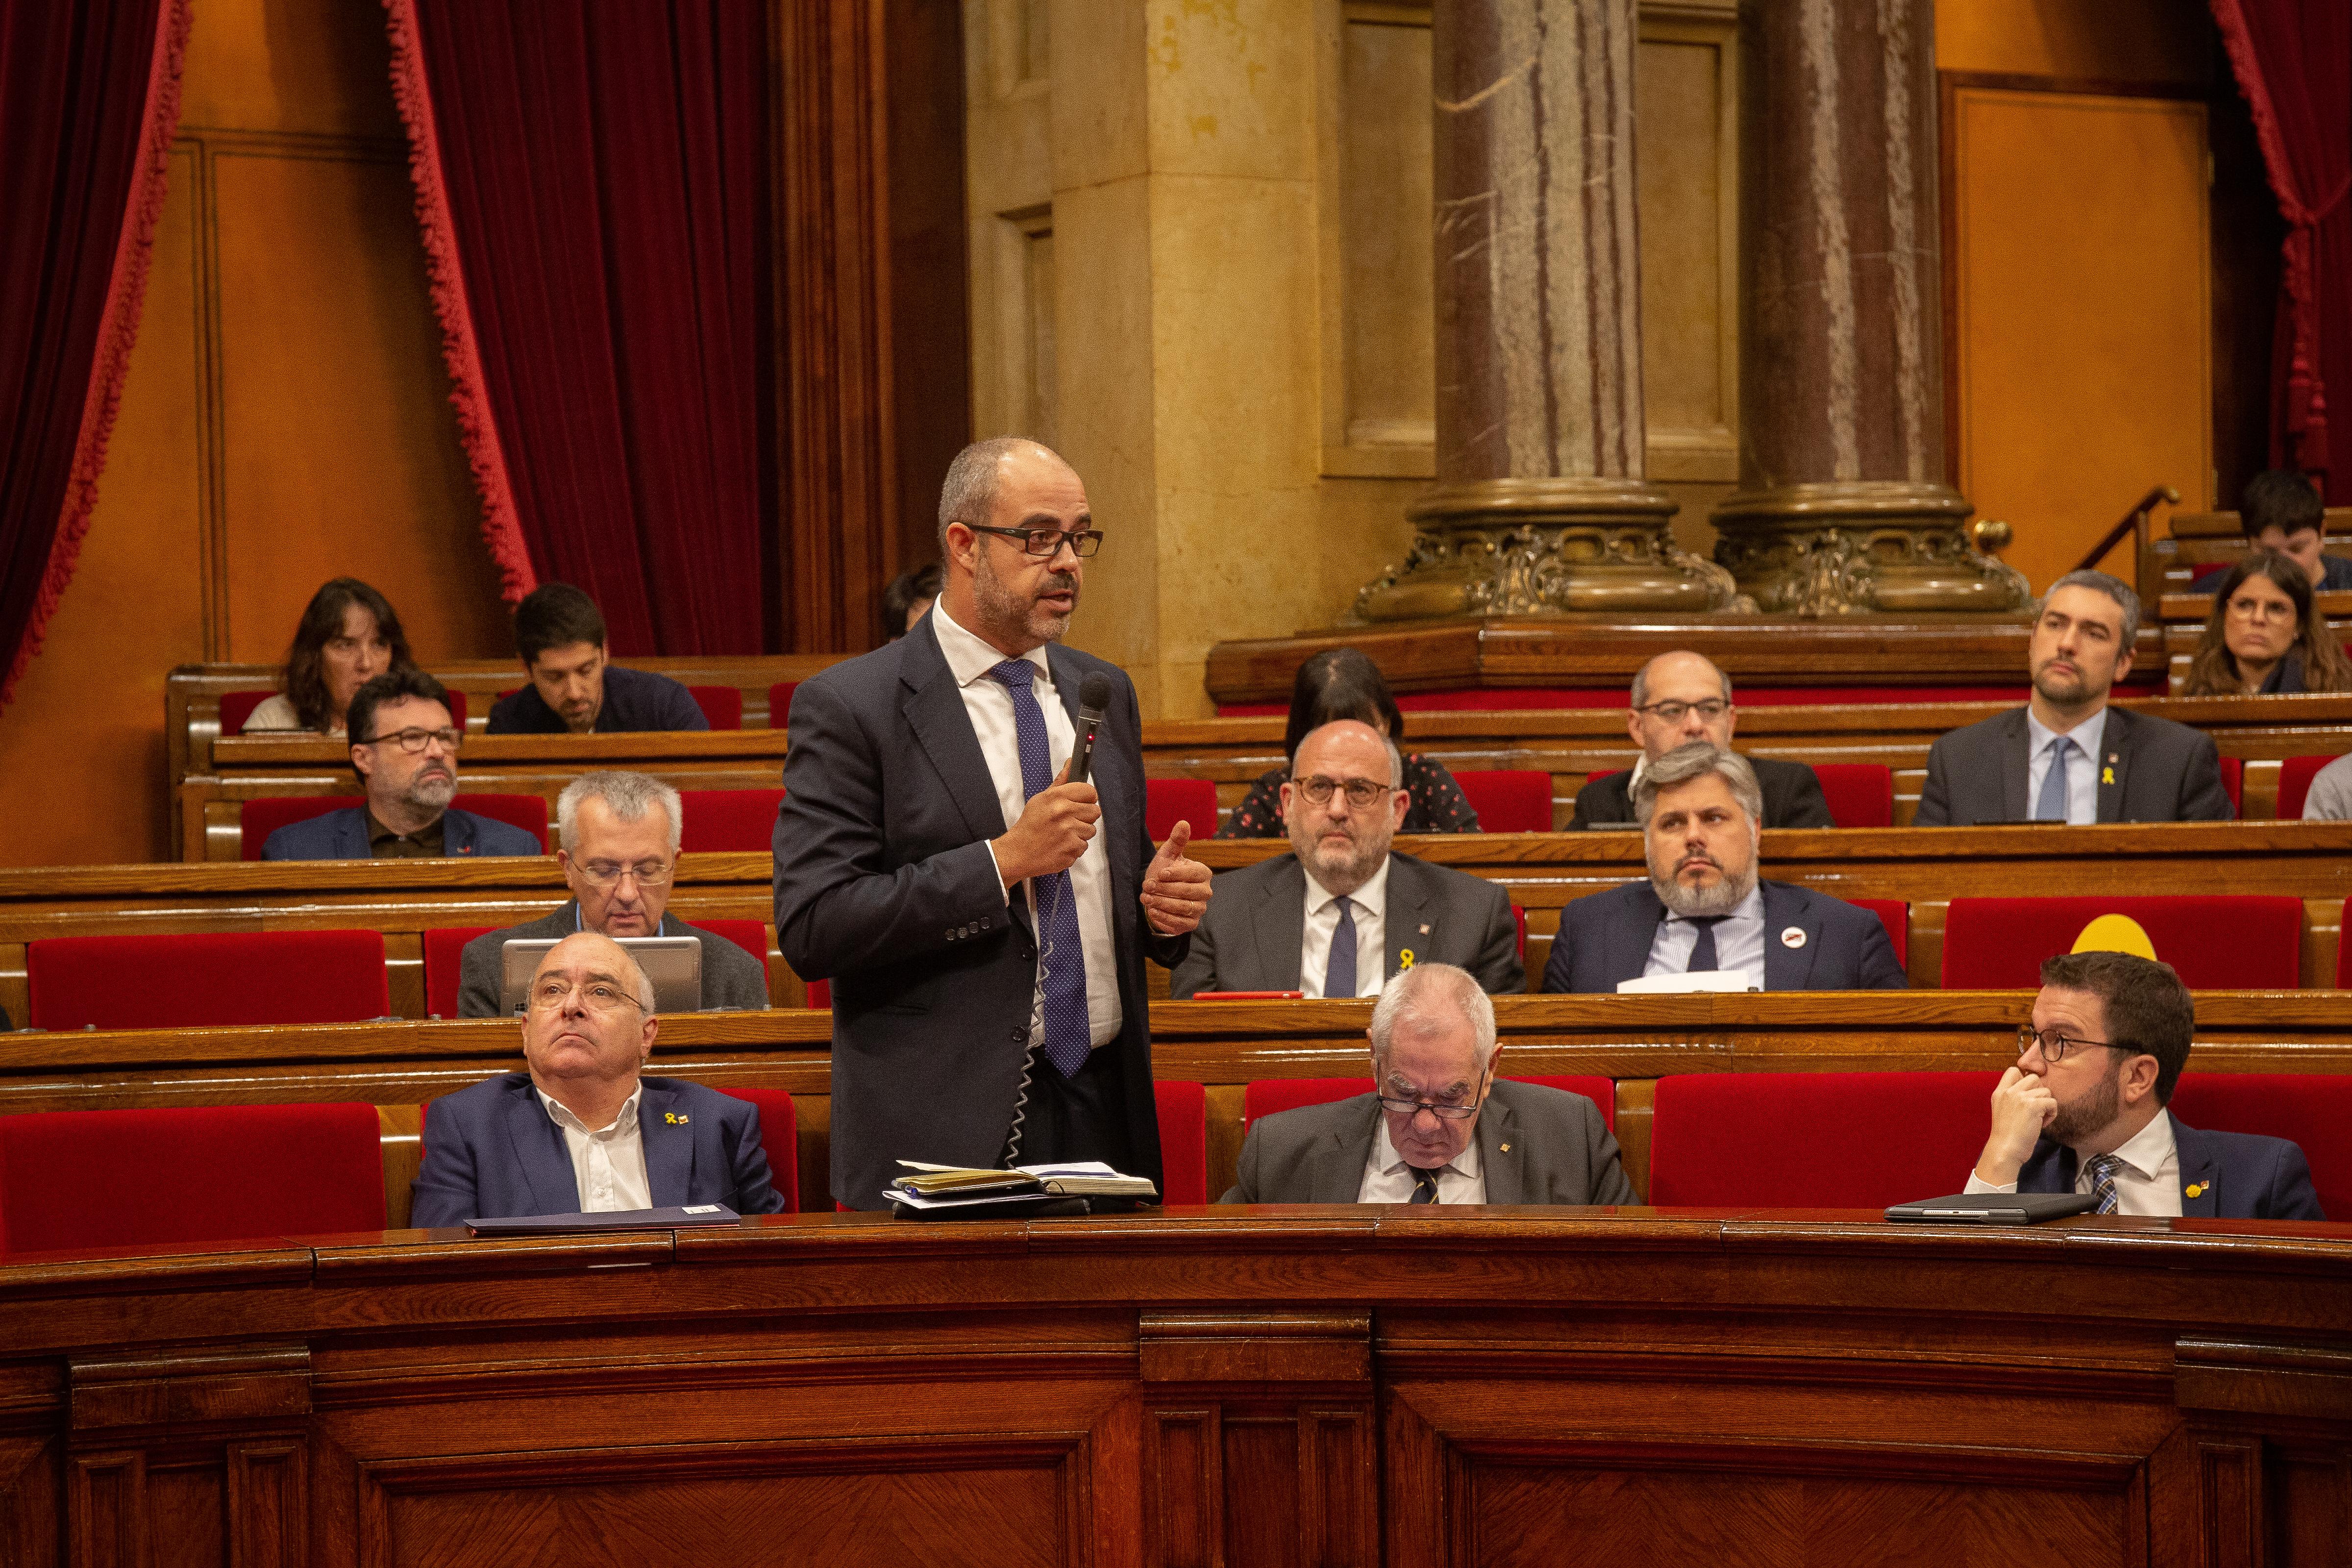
(1680, 699)
(581, 1129)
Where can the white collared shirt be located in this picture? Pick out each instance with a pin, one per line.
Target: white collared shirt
(2084, 765)
(1368, 906)
(1739, 941)
(989, 706)
(608, 1165)
(2149, 1183)
(1389, 1180)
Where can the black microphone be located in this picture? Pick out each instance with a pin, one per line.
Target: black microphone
(1094, 696)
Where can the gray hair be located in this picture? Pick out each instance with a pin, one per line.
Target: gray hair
(2099, 582)
(969, 494)
(628, 796)
(1641, 694)
(1695, 760)
(1433, 994)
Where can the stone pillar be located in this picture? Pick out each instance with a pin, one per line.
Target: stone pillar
(1842, 506)
(1540, 502)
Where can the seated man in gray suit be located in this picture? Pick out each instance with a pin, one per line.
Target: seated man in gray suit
(1703, 908)
(1440, 1128)
(1340, 914)
(2066, 755)
(1680, 697)
(619, 833)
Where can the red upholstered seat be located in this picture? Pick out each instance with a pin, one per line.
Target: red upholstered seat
(528, 812)
(751, 936)
(1519, 920)
(2221, 942)
(2312, 1110)
(1268, 1095)
(1510, 800)
(722, 705)
(779, 1140)
(225, 980)
(780, 703)
(1168, 801)
(258, 820)
(82, 1179)
(1896, 916)
(236, 707)
(820, 995)
(2233, 784)
(1861, 794)
(1808, 1139)
(2296, 774)
(741, 820)
(1184, 1141)
(445, 948)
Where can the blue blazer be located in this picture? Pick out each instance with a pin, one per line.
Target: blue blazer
(2239, 1175)
(493, 1152)
(343, 835)
(1604, 938)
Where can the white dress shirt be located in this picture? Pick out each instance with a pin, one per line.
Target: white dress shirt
(989, 706)
(1368, 905)
(1389, 1180)
(2084, 765)
(1739, 941)
(2149, 1183)
(608, 1165)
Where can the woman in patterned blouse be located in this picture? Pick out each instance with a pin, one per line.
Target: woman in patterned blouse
(1342, 683)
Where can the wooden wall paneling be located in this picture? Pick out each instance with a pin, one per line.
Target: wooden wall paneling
(106, 1510)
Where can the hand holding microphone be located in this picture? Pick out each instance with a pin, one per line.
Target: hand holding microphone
(1058, 822)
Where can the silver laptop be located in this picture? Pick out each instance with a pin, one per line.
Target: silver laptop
(673, 963)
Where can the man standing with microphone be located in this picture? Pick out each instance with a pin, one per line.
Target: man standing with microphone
(983, 916)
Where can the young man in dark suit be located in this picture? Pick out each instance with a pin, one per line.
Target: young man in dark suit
(2083, 1110)
(930, 848)
(574, 688)
(1679, 700)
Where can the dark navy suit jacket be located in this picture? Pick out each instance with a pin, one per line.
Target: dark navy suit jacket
(2239, 1175)
(343, 835)
(635, 700)
(1604, 938)
(492, 1151)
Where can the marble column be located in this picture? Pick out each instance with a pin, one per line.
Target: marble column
(1540, 502)
(1842, 506)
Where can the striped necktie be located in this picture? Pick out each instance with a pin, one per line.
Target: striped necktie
(2103, 1169)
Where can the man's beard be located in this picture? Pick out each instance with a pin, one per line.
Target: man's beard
(2097, 1107)
(1013, 618)
(2065, 696)
(1342, 871)
(430, 792)
(1718, 898)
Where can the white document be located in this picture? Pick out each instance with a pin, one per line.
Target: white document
(1679, 984)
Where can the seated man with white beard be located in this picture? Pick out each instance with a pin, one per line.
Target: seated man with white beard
(1702, 908)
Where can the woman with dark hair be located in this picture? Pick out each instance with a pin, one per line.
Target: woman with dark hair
(1343, 683)
(909, 598)
(2266, 636)
(349, 634)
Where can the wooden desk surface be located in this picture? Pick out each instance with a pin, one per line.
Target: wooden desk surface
(1346, 1386)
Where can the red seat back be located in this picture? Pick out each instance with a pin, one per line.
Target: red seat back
(719, 820)
(2312, 1110)
(1816, 1140)
(1861, 794)
(258, 820)
(1168, 801)
(444, 951)
(219, 980)
(751, 936)
(1896, 916)
(1268, 1095)
(1519, 920)
(1510, 800)
(2296, 774)
(528, 812)
(1184, 1141)
(82, 1179)
(780, 703)
(2233, 784)
(722, 705)
(779, 1139)
(2217, 942)
(236, 707)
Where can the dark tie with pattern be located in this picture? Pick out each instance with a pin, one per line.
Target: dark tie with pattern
(1061, 958)
(1339, 974)
(1424, 1184)
(2051, 807)
(2103, 1169)
(1703, 949)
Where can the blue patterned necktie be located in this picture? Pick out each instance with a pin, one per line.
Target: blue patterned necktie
(2051, 807)
(1424, 1184)
(2103, 1169)
(1339, 975)
(1061, 959)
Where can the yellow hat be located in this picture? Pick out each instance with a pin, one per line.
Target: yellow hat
(2115, 933)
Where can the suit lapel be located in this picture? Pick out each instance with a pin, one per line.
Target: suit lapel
(1631, 939)
(1505, 1173)
(1279, 930)
(669, 1145)
(457, 833)
(933, 709)
(1787, 968)
(540, 1153)
(2200, 1169)
(2113, 764)
(2017, 763)
(1409, 921)
(352, 835)
(1336, 1169)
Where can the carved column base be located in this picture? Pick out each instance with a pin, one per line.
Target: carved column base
(1866, 547)
(1532, 547)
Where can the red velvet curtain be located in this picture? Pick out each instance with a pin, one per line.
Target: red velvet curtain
(589, 181)
(2293, 59)
(89, 101)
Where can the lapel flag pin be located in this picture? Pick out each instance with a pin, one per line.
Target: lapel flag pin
(1793, 936)
(1424, 931)
(673, 1118)
(1506, 1148)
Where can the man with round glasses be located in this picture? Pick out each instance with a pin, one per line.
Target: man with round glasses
(1438, 1127)
(581, 1129)
(2085, 1108)
(405, 750)
(1342, 913)
(1680, 699)
(619, 838)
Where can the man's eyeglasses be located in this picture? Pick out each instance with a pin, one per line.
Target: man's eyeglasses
(1048, 541)
(604, 874)
(1711, 710)
(1360, 792)
(2055, 1045)
(1449, 1113)
(414, 740)
(601, 996)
